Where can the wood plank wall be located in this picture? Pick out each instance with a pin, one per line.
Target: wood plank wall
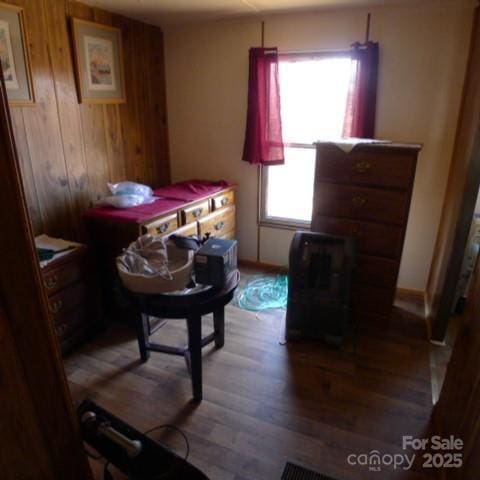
(69, 151)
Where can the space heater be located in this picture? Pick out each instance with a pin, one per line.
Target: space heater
(319, 282)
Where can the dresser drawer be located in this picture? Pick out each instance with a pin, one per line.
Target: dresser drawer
(195, 212)
(218, 223)
(230, 235)
(161, 226)
(375, 271)
(371, 238)
(371, 204)
(69, 325)
(66, 300)
(223, 200)
(186, 231)
(366, 298)
(392, 170)
(64, 275)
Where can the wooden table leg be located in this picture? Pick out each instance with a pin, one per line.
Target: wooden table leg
(219, 327)
(194, 325)
(142, 326)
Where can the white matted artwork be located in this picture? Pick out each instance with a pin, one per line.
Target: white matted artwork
(14, 56)
(99, 62)
(6, 56)
(99, 67)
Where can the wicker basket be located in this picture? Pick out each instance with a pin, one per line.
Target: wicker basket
(180, 264)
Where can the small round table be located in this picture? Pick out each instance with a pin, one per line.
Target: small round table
(189, 304)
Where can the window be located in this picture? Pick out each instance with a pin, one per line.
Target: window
(313, 92)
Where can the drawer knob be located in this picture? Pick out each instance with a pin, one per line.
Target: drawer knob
(356, 233)
(197, 212)
(51, 282)
(359, 201)
(55, 307)
(61, 329)
(224, 201)
(219, 225)
(362, 167)
(163, 227)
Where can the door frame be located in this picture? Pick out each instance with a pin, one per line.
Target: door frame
(34, 364)
(460, 198)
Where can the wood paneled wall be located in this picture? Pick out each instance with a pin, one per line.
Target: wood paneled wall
(69, 151)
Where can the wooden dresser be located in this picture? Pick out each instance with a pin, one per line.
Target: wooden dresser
(71, 297)
(211, 214)
(365, 194)
(110, 232)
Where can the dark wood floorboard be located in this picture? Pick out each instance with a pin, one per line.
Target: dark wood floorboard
(267, 403)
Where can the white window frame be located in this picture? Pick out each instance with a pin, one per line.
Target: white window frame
(279, 222)
(282, 222)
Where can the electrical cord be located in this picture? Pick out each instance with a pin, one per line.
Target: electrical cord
(176, 429)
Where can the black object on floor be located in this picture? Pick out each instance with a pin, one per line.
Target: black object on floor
(319, 281)
(296, 472)
(131, 451)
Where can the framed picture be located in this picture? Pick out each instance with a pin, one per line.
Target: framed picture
(14, 56)
(99, 62)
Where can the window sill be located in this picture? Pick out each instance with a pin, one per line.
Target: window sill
(285, 224)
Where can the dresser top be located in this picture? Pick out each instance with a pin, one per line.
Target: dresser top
(169, 199)
(348, 145)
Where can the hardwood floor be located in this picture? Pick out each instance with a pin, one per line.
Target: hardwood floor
(266, 403)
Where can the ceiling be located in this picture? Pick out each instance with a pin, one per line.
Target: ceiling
(168, 13)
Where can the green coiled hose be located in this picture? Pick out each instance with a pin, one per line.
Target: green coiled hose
(263, 292)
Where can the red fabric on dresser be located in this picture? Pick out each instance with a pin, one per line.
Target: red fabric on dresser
(135, 214)
(171, 197)
(191, 190)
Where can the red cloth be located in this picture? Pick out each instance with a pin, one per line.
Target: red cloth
(263, 135)
(362, 96)
(172, 197)
(190, 190)
(136, 214)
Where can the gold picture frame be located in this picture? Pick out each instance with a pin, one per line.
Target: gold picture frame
(98, 62)
(14, 56)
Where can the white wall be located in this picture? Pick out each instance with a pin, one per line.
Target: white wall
(423, 58)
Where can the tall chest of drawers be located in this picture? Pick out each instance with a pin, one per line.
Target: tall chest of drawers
(365, 194)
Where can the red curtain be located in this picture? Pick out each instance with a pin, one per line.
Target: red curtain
(362, 98)
(263, 136)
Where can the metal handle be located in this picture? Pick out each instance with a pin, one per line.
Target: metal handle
(61, 329)
(197, 212)
(362, 167)
(51, 282)
(163, 227)
(55, 307)
(359, 201)
(132, 447)
(224, 201)
(219, 225)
